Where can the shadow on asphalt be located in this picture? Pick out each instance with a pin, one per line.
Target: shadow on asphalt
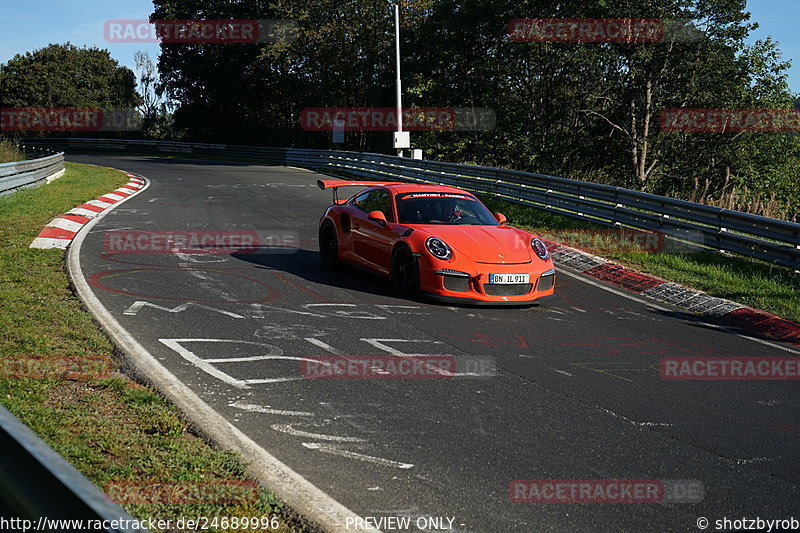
(306, 265)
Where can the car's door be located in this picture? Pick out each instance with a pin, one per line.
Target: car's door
(372, 240)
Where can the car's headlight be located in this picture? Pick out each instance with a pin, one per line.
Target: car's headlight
(540, 249)
(438, 248)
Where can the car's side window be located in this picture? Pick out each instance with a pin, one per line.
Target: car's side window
(377, 200)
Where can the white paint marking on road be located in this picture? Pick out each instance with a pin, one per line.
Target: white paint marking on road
(380, 344)
(217, 291)
(254, 408)
(561, 372)
(200, 363)
(324, 345)
(768, 402)
(578, 309)
(216, 258)
(287, 428)
(259, 309)
(335, 450)
(633, 422)
(199, 275)
(138, 305)
(347, 314)
(753, 460)
(391, 308)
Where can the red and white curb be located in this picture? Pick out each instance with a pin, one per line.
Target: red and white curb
(60, 231)
(730, 313)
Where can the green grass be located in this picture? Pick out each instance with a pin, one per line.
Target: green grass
(110, 428)
(9, 152)
(754, 283)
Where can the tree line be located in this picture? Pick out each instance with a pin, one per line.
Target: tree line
(584, 110)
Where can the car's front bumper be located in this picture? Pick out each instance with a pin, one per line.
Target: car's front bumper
(461, 300)
(467, 282)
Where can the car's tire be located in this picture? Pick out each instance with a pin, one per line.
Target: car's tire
(405, 271)
(328, 245)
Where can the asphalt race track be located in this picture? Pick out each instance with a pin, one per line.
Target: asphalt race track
(577, 393)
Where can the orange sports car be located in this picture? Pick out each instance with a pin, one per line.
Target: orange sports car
(436, 240)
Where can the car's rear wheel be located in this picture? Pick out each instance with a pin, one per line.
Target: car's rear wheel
(405, 272)
(328, 245)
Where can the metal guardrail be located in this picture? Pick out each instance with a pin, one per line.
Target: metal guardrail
(39, 486)
(20, 174)
(770, 240)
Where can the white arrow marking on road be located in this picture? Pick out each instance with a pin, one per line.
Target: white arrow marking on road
(333, 449)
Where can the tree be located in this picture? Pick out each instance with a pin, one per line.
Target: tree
(63, 75)
(156, 118)
(582, 110)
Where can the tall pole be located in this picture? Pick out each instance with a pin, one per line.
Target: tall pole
(397, 67)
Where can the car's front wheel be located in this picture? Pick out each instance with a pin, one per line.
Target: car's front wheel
(405, 272)
(328, 245)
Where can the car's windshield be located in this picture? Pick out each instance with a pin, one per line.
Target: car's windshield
(442, 208)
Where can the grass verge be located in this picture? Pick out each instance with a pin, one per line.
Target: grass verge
(118, 433)
(770, 288)
(9, 151)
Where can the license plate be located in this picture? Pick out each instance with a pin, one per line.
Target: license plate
(508, 279)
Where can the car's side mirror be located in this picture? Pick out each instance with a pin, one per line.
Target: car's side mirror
(501, 218)
(378, 217)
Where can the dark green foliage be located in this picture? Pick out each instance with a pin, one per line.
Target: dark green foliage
(66, 76)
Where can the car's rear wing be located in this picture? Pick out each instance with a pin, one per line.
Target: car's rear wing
(335, 184)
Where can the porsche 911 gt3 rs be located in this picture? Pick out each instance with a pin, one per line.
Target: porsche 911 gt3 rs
(436, 240)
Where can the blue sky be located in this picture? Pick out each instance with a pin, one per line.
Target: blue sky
(31, 24)
(26, 25)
